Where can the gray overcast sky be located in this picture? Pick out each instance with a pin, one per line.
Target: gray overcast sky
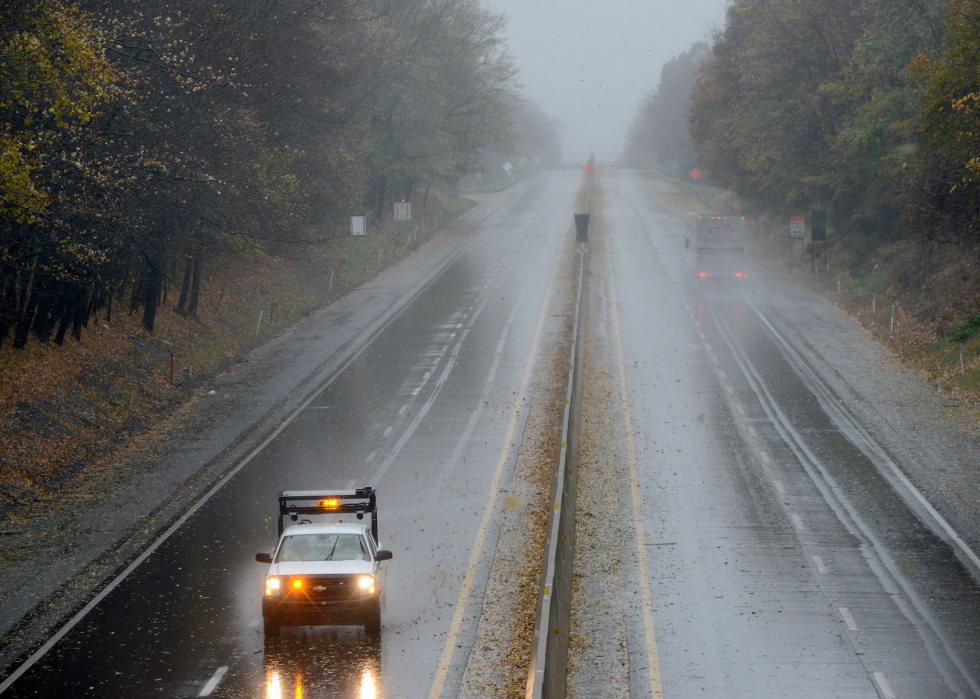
(588, 62)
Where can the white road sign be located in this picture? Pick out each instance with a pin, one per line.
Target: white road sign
(796, 226)
(403, 211)
(358, 225)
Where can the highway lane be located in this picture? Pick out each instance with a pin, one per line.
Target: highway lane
(784, 558)
(429, 415)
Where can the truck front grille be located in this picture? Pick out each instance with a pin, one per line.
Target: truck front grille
(323, 588)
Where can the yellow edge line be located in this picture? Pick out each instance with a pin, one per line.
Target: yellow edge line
(464, 593)
(651, 636)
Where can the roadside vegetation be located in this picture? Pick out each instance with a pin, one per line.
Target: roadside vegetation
(169, 170)
(867, 109)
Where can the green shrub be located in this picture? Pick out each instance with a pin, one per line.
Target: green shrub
(965, 330)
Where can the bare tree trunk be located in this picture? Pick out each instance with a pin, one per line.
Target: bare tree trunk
(426, 198)
(151, 296)
(24, 322)
(185, 287)
(196, 283)
(78, 315)
(382, 190)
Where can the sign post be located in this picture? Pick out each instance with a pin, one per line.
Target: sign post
(695, 174)
(796, 225)
(818, 232)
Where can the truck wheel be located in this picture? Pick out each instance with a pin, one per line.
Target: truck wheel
(372, 620)
(271, 628)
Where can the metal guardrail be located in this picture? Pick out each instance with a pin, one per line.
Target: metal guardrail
(549, 649)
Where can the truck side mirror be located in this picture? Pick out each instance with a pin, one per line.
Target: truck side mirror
(382, 555)
(263, 557)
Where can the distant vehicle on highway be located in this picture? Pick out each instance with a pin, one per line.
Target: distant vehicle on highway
(325, 573)
(719, 241)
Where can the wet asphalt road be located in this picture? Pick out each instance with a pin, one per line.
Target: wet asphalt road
(783, 560)
(422, 415)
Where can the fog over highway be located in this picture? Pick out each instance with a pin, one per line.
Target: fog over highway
(589, 68)
(786, 554)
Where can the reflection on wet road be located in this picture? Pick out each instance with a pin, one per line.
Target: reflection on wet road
(787, 556)
(308, 662)
(422, 414)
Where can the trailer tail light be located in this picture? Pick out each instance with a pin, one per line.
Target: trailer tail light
(739, 274)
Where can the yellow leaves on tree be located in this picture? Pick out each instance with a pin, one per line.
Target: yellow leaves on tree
(54, 77)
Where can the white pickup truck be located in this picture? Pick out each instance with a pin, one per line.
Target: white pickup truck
(325, 572)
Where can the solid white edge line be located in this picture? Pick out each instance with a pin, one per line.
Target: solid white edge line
(213, 682)
(940, 520)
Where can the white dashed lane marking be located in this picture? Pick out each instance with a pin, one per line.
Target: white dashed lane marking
(798, 522)
(821, 568)
(388, 431)
(371, 456)
(213, 682)
(886, 690)
(848, 619)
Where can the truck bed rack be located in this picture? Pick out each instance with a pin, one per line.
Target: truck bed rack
(361, 501)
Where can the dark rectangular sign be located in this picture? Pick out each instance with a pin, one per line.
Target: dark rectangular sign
(581, 228)
(818, 225)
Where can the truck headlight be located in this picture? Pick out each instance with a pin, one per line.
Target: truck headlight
(272, 587)
(367, 584)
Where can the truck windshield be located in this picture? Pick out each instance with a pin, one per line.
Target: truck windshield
(322, 547)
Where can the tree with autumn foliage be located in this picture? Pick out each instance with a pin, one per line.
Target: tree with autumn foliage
(810, 103)
(659, 135)
(946, 198)
(142, 144)
(444, 93)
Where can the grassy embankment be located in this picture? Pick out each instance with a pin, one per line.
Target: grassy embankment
(65, 410)
(935, 290)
